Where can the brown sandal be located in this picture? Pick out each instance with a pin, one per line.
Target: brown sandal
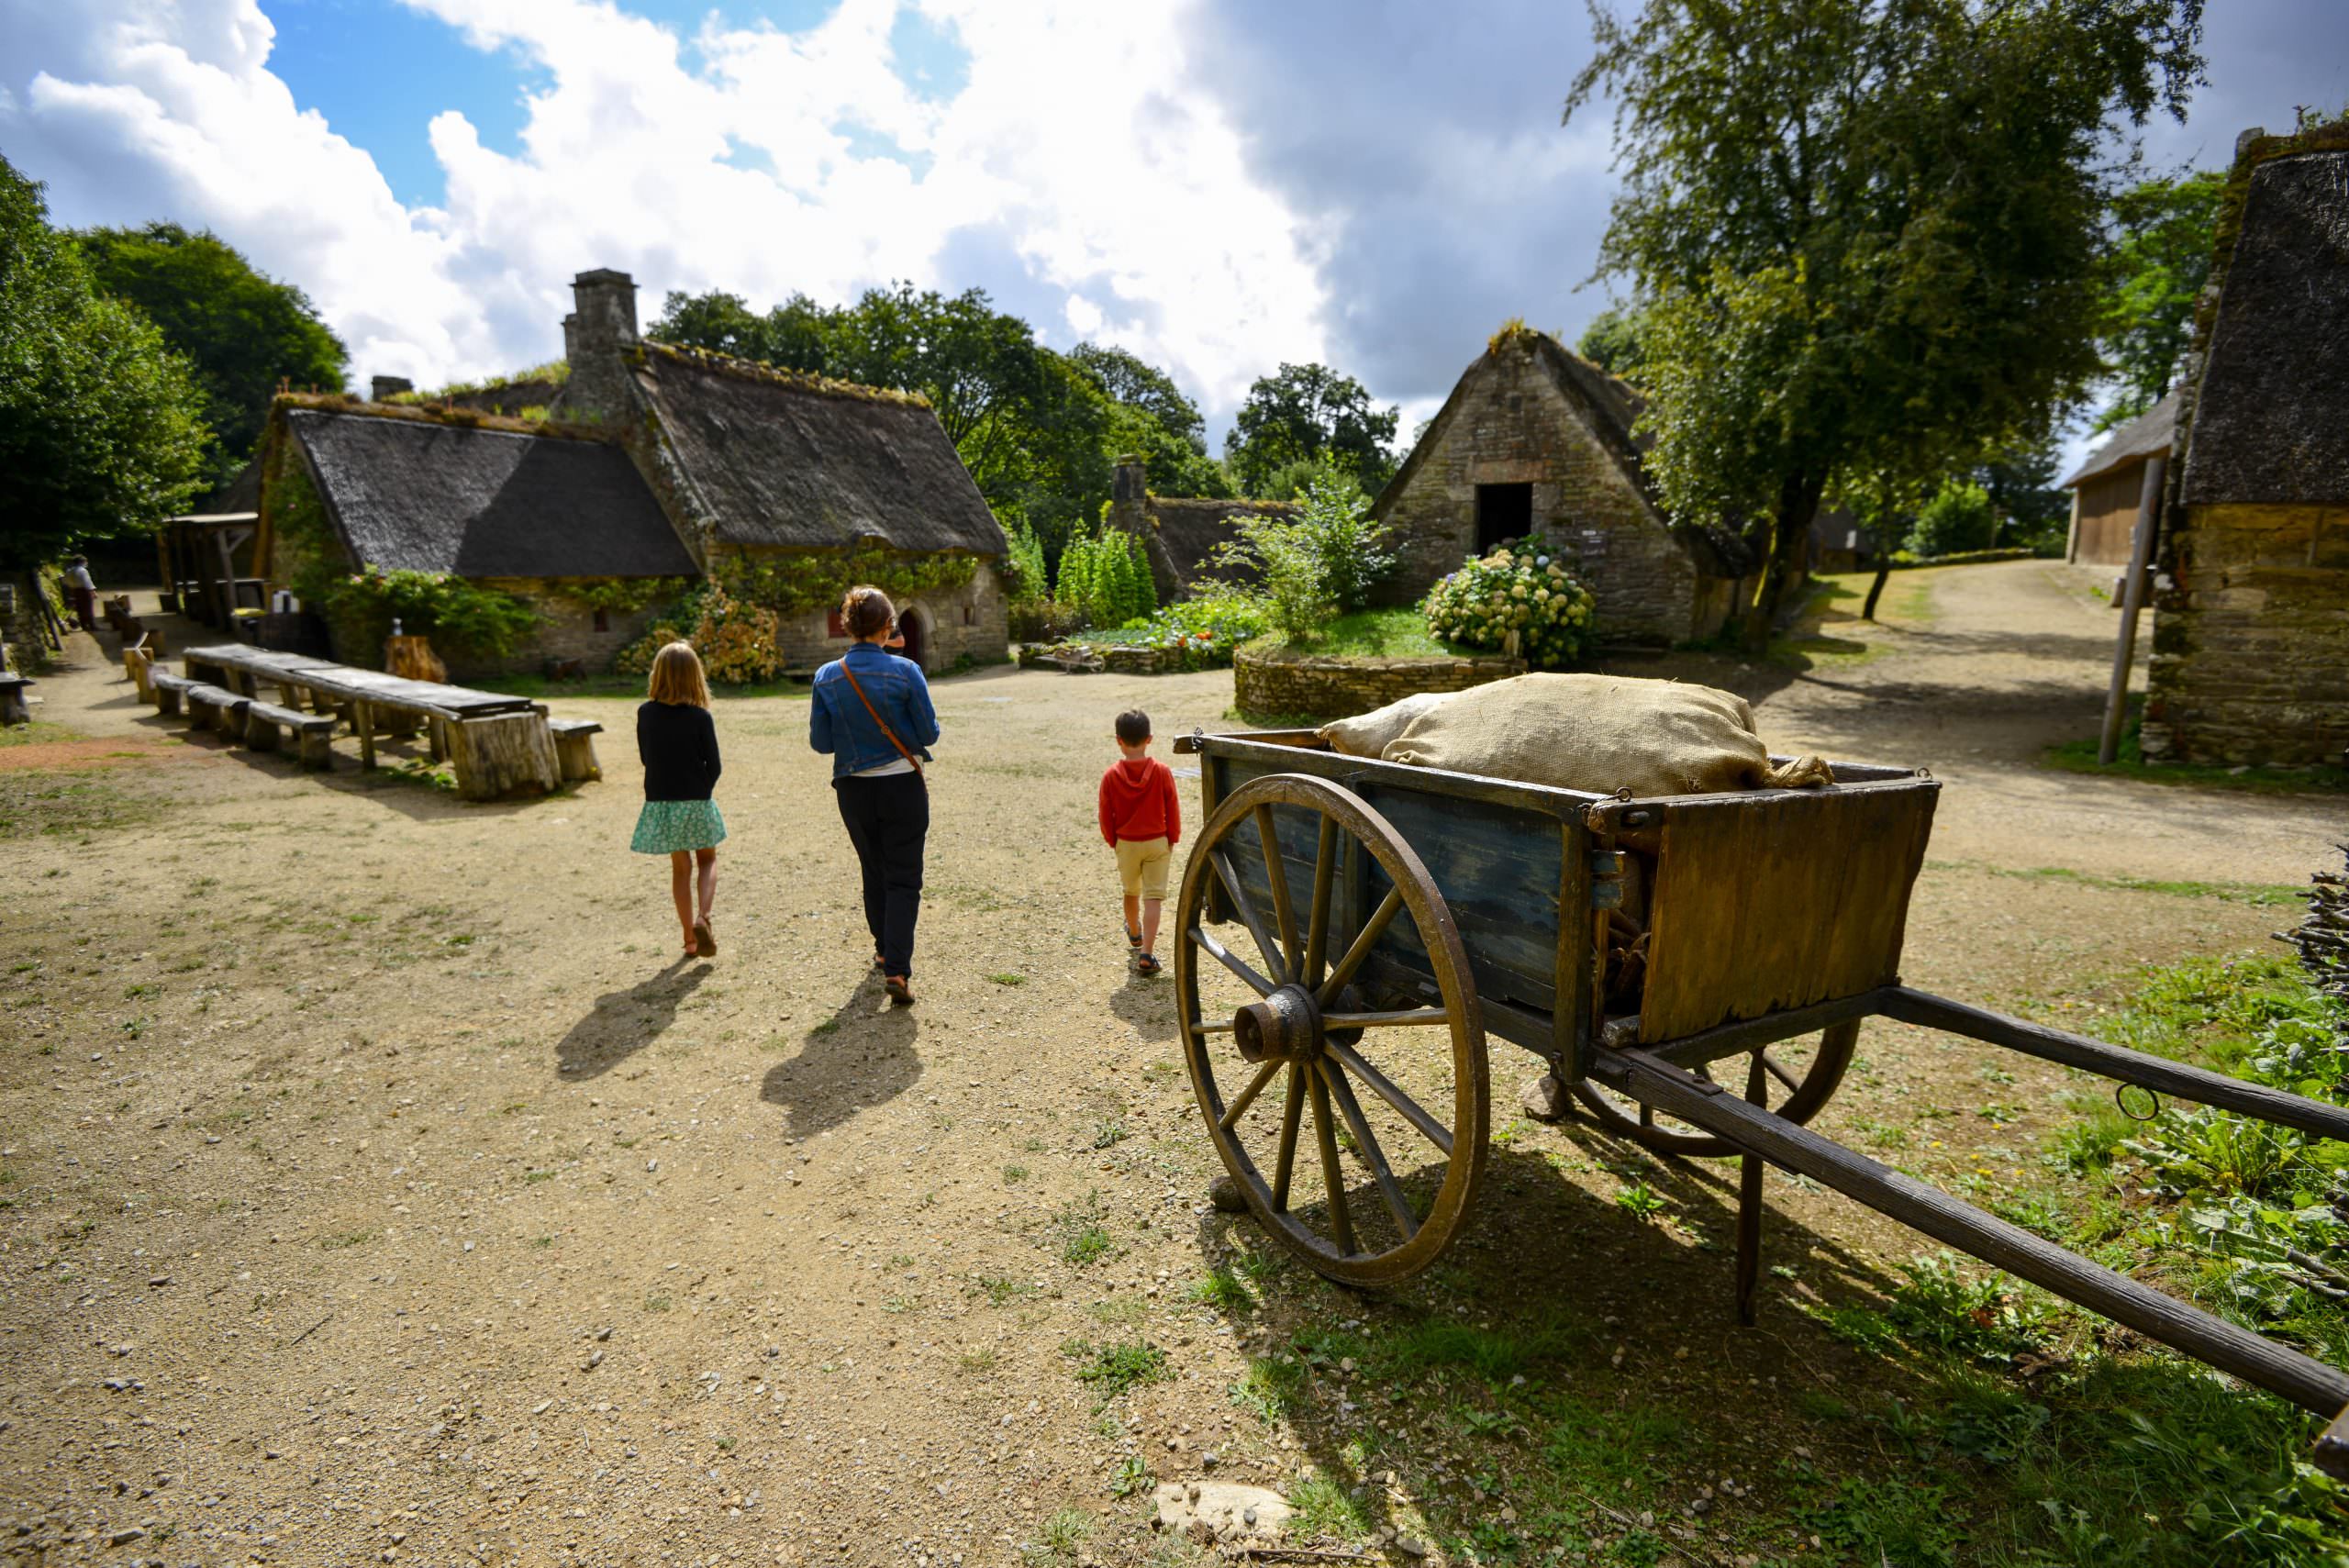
(901, 994)
(705, 944)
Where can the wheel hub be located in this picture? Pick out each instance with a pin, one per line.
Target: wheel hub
(1282, 1027)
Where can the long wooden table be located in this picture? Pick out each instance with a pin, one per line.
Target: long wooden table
(498, 744)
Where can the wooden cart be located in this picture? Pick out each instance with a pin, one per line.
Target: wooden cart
(1350, 932)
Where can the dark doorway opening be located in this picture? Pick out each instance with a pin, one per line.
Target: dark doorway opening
(1504, 512)
(910, 628)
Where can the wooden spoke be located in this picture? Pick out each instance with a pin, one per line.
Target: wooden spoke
(1248, 914)
(1239, 1108)
(1374, 1157)
(1780, 1074)
(1277, 873)
(1232, 962)
(1290, 1114)
(1325, 1132)
(1317, 926)
(1408, 1017)
(1405, 1107)
(1364, 939)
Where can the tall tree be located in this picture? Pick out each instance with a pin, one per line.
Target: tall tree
(1612, 341)
(795, 335)
(2161, 235)
(1299, 413)
(1869, 230)
(242, 330)
(1150, 415)
(100, 425)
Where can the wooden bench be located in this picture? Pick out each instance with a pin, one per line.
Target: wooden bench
(263, 720)
(574, 748)
(14, 709)
(169, 689)
(215, 707)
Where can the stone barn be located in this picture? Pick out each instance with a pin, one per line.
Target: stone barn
(2251, 622)
(1180, 536)
(1535, 438)
(2106, 488)
(644, 462)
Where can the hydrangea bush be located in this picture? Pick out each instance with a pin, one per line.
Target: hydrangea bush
(1520, 600)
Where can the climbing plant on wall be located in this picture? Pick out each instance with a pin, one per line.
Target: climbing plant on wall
(815, 580)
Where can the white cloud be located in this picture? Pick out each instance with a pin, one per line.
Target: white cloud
(743, 158)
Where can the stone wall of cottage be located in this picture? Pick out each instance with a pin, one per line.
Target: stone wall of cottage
(969, 621)
(2251, 638)
(1515, 426)
(566, 630)
(1278, 684)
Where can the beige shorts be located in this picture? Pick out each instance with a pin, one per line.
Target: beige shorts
(1143, 865)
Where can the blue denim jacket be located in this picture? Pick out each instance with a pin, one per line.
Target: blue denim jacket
(837, 723)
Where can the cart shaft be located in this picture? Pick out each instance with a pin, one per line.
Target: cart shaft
(2278, 1368)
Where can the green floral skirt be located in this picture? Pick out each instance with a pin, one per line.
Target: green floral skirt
(664, 827)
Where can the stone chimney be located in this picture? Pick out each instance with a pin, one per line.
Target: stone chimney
(597, 338)
(1132, 479)
(383, 388)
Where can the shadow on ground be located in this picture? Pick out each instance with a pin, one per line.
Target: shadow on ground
(860, 1057)
(624, 1022)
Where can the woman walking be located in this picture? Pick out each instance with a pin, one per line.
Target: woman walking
(678, 745)
(871, 711)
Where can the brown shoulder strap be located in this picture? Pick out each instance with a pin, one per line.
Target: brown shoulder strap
(883, 723)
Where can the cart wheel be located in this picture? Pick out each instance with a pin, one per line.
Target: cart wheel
(1799, 1076)
(1394, 1100)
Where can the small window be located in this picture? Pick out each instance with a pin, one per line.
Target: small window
(970, 615)
(603, 620)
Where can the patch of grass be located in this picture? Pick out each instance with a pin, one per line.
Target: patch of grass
(1131, 1476)
(1113, 1370)
(2258, 893)
(1110, 1132)
(1084, 1239)
(1326, 1509)
(1006, 977)
(39, 732)
(1371, 634)
(1222, 1290)
(2129, 762)
(348, 1239)
(1001, 1291)
(980, 1360)
(1641, 1201)
(1887, 1520)
(38, 803)
(1495, 1354)
(657, 1304)
(1014, 1173)
(1062, 1534)
(1270, 1387)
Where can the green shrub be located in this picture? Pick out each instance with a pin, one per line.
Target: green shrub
(1958, 519)
(1336, 515)
(459, 615)
(1104, 577)
(1520, 600)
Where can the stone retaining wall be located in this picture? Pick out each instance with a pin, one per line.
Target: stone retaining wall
(1276, 682)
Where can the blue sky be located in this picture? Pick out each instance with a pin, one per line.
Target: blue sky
(1217, 184)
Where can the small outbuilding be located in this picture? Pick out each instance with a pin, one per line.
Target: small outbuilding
(1535, 438)
(2251, 626)
(2107, 487)
(1180, 536)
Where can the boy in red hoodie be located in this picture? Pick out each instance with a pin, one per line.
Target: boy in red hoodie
(1142, 820)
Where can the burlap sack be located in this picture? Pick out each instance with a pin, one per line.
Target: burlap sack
(1369, 734)
(1600, 733)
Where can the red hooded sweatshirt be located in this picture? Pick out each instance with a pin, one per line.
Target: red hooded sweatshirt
(1138, 801)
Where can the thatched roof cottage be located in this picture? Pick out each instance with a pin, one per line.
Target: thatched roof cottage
(2251, 628)
(651, 463)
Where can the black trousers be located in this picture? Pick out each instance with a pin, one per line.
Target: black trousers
(887, 818)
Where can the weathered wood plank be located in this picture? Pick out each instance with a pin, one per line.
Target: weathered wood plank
(2276, 1368)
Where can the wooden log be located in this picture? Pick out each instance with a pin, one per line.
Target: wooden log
(2155, 1072)
(261, 731)
(363, 724)
(14, 709)
(137, 662)
(575, 746)
(412, 658)
(317, 744)
(169, 689)
(503, 754)
(2279, 1369)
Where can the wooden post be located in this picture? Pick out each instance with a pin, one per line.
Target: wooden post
(362, 720)
(2133, 599)
(136, 663)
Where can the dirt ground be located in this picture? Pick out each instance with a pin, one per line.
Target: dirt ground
(378, 1187)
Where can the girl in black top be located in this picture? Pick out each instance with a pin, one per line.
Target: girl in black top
(678, 745)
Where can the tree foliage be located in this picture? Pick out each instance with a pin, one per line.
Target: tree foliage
(2162, 236)
(1958, 518)
(1868, 231)
(1150, 418)
(100, 425)
(240, 329)
(1613, 341)
(1300, 412)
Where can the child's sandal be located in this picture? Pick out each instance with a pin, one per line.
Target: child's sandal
(1146, 966)
(1133, 938)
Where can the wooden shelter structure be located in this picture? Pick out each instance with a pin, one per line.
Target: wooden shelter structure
(209, 565)
(2106, 486)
